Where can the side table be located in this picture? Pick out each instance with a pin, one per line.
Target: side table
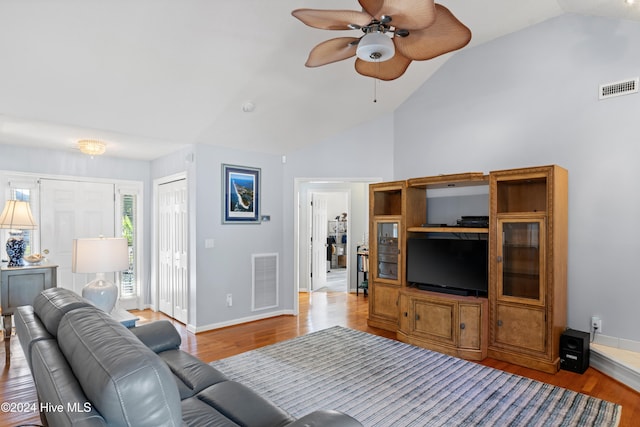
(19, 286)
(123, 316)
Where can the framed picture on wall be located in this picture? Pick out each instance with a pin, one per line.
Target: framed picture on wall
(241, 194)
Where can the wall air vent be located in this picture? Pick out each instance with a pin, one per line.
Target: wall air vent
(624, 87)
(264, 281)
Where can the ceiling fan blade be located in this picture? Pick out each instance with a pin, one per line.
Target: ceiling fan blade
(405, 14)
(332, 50)
(386, 70)
(332, 19)
(445, 35)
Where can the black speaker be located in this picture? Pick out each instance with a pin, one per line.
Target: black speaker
(574, 351)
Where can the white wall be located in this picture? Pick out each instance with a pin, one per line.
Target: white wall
(528, 99)
(226, 268)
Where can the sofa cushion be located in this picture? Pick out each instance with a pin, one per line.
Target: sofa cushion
(125, 381)
(53, 303)
(192, 375)
(29, 329)
(244, 406)
(197, 413)
(158, 336)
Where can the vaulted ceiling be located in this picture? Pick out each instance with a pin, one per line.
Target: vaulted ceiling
(150, 76)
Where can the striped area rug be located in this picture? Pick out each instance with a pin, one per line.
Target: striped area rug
(382, 382)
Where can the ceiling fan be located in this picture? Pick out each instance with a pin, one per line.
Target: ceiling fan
(419, 30)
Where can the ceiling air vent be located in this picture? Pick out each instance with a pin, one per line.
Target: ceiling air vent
(623, 87)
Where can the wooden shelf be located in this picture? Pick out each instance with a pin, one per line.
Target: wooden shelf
(453, 230)
(448, 181)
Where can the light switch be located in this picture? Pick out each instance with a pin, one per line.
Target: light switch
(208, 243)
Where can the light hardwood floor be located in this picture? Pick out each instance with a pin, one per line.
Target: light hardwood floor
(317, 311)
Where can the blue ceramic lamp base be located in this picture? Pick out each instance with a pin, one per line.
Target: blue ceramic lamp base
(15, 250)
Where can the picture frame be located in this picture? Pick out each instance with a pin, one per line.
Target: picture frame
(241, 189)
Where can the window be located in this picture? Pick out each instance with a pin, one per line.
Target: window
(128, 287)
(129, 219)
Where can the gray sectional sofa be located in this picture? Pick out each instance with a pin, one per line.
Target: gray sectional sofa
(89, 370)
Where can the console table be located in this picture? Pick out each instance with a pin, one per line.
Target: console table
(19, 286)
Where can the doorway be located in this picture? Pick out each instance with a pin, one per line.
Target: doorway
(328, 238)
(357, 227)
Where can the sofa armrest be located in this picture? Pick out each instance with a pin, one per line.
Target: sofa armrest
(159, 336)
(326, 418)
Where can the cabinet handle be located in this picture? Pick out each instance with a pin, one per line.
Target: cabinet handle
(406, 314)
(499, 322)
(462, 326)
(417, 317)
(499, 259)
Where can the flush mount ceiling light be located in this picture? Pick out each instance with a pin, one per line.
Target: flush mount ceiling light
(248, 107)
(395, 34)
(92, 147)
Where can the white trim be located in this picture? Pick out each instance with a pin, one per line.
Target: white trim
(76, 178)
(242, 320)
(609, 365)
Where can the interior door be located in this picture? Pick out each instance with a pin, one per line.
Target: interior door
(173, 289)
(319, 246)
(71, 210)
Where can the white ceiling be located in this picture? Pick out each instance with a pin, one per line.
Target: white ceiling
(149, 76)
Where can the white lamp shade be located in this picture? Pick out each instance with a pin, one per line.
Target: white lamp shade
(100, 255)
(16, 215)
(375, 47)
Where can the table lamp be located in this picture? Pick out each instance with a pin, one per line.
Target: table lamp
(16, 216)
(100, 255)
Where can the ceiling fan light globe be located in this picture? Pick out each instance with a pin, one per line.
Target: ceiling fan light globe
(375, 47)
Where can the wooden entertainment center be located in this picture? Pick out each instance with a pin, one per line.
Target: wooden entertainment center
(524, 312)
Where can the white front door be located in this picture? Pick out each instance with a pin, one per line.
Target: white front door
(319, 245)
(172, 274)
(71, 210)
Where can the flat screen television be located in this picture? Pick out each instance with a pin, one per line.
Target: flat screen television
(449, 265)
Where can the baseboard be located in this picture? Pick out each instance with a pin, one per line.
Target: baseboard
(239, 321)
(619, 360)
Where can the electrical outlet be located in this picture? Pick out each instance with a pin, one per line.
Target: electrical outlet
(229, 300)
(596, 324)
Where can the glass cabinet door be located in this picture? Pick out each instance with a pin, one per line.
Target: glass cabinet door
(388, 248)
(520, 257)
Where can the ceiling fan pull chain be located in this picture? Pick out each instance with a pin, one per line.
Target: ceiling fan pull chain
(375, 90)
(375, 85)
